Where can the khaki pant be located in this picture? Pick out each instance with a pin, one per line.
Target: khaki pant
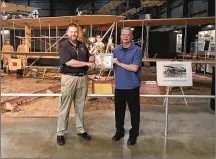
(73, 89)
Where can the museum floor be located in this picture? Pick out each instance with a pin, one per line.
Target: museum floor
(191, 135)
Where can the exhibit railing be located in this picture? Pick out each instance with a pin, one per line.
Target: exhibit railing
(112, 95)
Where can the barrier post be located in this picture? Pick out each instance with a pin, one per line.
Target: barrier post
(166, 118)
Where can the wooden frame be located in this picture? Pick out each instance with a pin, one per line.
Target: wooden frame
(168, 22)
(10, 7)
(61, 22)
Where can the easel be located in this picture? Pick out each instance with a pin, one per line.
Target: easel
(167, 93)
(170, 88)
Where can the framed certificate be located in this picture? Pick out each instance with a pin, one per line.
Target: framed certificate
(104, 60)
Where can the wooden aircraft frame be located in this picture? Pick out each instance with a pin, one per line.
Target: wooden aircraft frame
(90, 20)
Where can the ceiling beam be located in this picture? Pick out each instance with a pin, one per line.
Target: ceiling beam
(131, 11)
(112, 4)
(150, 3)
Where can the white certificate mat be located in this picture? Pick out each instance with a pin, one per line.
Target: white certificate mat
(104, 60)
(174, 73)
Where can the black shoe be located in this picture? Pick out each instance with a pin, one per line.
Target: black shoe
(131, 141)
(85, 136)
(117, 136)
(60, 140)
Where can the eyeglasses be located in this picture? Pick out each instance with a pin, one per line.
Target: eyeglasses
(124, 35)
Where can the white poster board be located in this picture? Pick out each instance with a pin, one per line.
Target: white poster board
(174, 73)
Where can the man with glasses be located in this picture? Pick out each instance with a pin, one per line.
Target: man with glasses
(127, 66)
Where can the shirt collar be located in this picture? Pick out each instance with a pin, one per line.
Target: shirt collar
(72, 43)
(129, 48)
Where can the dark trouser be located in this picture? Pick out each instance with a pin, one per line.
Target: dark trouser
(132, 97)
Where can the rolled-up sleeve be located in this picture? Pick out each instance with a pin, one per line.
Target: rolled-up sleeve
(114, 54)
(63, 54)
(137, 59)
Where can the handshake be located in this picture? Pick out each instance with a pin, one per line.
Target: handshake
(91, 65)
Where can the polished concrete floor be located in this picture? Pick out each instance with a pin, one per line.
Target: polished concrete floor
(191, 135)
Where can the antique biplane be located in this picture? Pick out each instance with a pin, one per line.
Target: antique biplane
(111, 22)
(30, 25)
(11, 11)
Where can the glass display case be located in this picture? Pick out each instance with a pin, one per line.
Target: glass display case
(207, 37)
(197, 47)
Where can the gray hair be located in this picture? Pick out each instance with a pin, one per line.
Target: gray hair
(127, 28)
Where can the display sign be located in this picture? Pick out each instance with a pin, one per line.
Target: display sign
(174, 73)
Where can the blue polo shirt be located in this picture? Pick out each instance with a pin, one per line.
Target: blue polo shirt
(125, 79)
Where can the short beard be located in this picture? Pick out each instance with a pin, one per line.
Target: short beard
(73, 40)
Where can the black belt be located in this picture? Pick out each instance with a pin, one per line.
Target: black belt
(76, 74)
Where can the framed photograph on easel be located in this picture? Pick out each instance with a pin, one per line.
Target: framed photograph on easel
(174, 73)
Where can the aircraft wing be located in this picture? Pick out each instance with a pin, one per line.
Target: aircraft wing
(33, 53)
